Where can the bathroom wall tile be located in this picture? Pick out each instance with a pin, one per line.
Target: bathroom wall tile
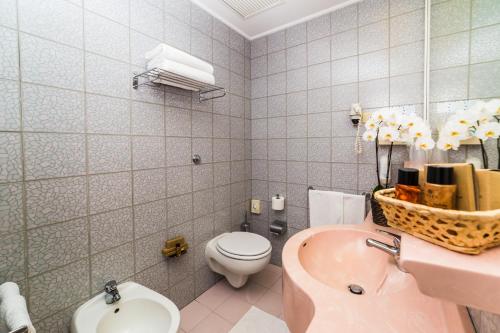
(407, 28)
(319, 174)
(319, 149)
(147, 119)
(482, 47)
(237, 128)
(238, 149)
(9, 10)
(180, 9)
(154, 277)
(373, 10)
(342, 125)
(344, 19)
(115, 43)
(201, 124)
(108, 153)
(485, 12)
(146, 19)
(183, 292)
(116, 264)
(296, 35)
(57, 20)
(220, 54)
(450, 17)
(296, 172)
(297, 103)
(178, 151)
(148, 152)
(259, 108)
(109, 191)
(343, 150)
(276, 62)
(203, 177)
(9, 58)
(56, 245)
(277, 171)
(296, 80)
(201, 20)
(297, 127)
(182, 267)
(374, 37)
(149, 185)
(179, 180)
(345, 176)
(296, 57)
(177, 122)
(54, 155)
(201, 45)
(11, 203)
(58, 289)
(484, 80)
(107, 115)
(106, 76)
(258, 67)
(237, 171)
(318, 51)
(367, 178)
(204, 148)
(52, 64)
(259, 129)
(220, 31)
(177, 34)
(52, 109)
(175, 99)
(9, 99)
(147, 93)
(319, 125)
(398, 7)
(179, 210)
(60, 321)
(259, 170)
(55, 200)
(407, 89)
(319, 76)
(277, 128)
(203, 228)
(237, 63)
(12, 257)
(260, 191)
(237, 103)
(222, 198)
(221, 150)
(343, 96)
(221, 174)
(297, 149)
(297, 195)
(374, 65)
(374, 93)
(276, 41)
(345, 71)
(407, 59)
(110, 229)
(344, 44)
(258, 47)
(236, 41)
(221, 127)
(449, 84)
(115, 10)
(148, 251)
(259, 87)
(10, 156)
(203, 203)
(318, 27)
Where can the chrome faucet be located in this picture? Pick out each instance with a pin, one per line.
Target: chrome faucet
(392, 250)
(111, 292)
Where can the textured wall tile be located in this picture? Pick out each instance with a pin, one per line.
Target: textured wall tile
(237, 171)
(59, 322)
(10, 157)
(58, 289)
(203, 177)
(9, 99)
(177, 34)
(276, 62)
(201, 45)
(344, 19)
(277, 128)
(374, 37)
(55, 200)
(407, 89)
(56, 245)
(149, 185)
(117, 10)
(319, 149)
(179, 209)
(183, 292)
(9, 59)
(297, 149)
(297, 127)
(319, 100)
(11, 212)
(178, 151)
(9, 10)
(148, 251)
(485, 12)
(407, 59)
(221, 174)
(203, 147)
(276, 41)
(367, 177)
(57, 20)
(52, 64)
(344, 44)
(296, 57)
(12, 257)
(345, 176)
(319, 174)
(116, 264)
(374, 93)
(221, 127)
(110, 191)
(146, 19)
(107, 115)
(106, 76)
(220, 31)
(221, 150)
(179, 180)
(276, 106)
(237, 63)
(296, 172)
(484, 80)
(319, 125)
(201, 124)
(449, 84)
(296, 80)
(201, 20)
(177, 122)
(345, 70)
(483, 44)
(343, 96)
(373, 10)
(203, 229)
(407, 28)
(139, 45)
(52, 109)
(276, 84)
(203, 203)
(318, 27)
(110, 229)
(147, 119)
(221, 54)
(341, 124)
(155, 277)
(343, 150)
(114, 43)
(296, 35)
(374, 65)
(222, 198)
(449, 17)
(107, 153)
(258, 47)
(54, 155)
(398, 7)
(297, 195)
(148, 152)
(296, 103)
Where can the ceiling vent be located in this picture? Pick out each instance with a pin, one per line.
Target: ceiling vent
(247, 8)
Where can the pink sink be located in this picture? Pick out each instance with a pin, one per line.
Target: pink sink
(320, 264)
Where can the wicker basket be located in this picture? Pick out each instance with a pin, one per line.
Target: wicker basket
(460, 231)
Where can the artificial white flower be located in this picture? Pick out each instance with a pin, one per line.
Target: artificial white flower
(464, 119)
(404, 137)
(424, 143)
(369, 135)
(388, 134)
(371, 124)
(447, 143)
(455, 130)
(419, 130)
(478, 113)
(410, 121)
(378, 116)
(488, 131)
(493, 107)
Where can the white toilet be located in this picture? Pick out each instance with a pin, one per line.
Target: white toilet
(236, 255)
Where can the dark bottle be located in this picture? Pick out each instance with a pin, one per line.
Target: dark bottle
(407, 188)
(440, 189)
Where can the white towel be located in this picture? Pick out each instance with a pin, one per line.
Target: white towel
(181, 69)
(13, 309)
(168, 52)
(327, 207)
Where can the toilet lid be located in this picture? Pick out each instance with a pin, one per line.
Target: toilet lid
(244, 244)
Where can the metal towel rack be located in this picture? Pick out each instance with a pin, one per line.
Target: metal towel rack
(22, 329)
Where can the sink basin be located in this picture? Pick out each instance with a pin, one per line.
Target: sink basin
(140, 310)
(333, 282)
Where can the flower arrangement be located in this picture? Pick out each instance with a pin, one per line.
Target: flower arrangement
(481, 121)
(388, 125)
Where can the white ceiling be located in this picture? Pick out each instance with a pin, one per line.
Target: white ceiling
(274, 19)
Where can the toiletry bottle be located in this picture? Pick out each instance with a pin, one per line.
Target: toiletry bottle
(440, 189)
(407, 188)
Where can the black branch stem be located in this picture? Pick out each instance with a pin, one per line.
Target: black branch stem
(376, 159)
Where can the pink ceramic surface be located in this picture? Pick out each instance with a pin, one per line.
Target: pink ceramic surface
(472, 280)
(320, 263)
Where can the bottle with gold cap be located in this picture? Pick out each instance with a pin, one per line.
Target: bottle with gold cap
(440, 189)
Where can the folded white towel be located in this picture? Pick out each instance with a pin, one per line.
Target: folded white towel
(181, 69)
(13, 309)
(164, 51)
(354, 208)
(327, 207)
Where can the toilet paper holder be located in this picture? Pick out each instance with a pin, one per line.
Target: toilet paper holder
(278, 228)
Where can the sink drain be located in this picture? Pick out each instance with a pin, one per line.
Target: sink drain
(356, 289)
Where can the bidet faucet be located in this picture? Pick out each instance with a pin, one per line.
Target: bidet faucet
(111, 292)
(392, 250)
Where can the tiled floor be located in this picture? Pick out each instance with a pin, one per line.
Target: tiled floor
(221, 307)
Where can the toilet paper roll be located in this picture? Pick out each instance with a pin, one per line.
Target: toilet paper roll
(278, 202)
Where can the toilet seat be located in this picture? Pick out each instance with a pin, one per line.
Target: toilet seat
(243, 246)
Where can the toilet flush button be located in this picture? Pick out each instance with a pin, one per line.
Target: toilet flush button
(255, 206)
